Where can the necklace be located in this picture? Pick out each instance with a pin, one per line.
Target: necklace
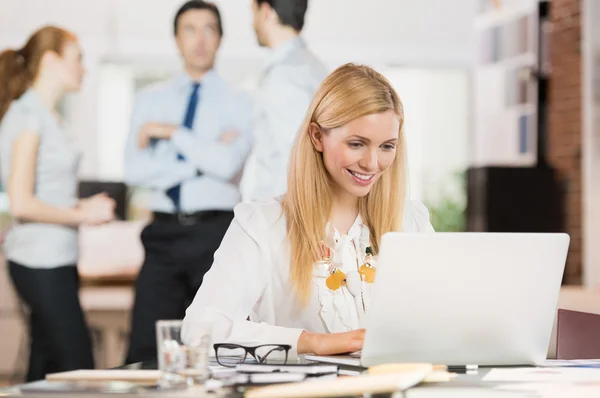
(337, 278)
(367, 270)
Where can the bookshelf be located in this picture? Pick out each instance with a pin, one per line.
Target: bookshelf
(505, 84)
(510, 185)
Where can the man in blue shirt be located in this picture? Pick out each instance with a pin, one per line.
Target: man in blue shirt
(189, 139)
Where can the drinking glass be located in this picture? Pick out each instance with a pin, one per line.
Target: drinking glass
(181, 364)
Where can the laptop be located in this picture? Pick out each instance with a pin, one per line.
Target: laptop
(459, 299)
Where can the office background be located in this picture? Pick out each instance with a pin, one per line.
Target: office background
(461, 67)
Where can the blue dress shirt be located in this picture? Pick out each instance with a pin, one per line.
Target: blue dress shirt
(220, 108)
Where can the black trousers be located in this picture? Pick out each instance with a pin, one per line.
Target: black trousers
(59, 338)
(176, 259)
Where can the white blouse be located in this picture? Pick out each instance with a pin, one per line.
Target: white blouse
(250, 278)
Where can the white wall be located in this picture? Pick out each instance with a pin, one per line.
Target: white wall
(437, 129)
(591, 143)
(383, 33)
(424, 32)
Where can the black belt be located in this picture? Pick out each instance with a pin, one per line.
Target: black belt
(188, 218)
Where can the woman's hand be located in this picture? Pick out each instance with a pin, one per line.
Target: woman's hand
(96, 210)
(331, 343)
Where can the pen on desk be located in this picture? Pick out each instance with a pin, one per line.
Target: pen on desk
(463, 367)
(456, 367)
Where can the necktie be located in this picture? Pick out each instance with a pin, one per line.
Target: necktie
(188, 122)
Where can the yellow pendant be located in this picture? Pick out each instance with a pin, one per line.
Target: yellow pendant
(335, 280)
(367, 273)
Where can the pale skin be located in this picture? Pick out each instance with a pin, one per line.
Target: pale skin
(198, 41)
(58, 75)
(364, 146)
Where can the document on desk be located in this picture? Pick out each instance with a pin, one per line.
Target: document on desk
(556, 375)
(577, 363)
(305, 368)
(551, 390)
(466, 392)
(343, 386)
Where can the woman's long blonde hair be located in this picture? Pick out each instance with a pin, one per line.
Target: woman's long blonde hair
(349, 92)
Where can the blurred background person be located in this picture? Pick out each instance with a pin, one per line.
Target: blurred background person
(189, 139)
(286, 86)
(39, 168)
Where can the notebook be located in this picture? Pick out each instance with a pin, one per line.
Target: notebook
(345, 386)
(352, 359)
(139, 377)
(307, 369)
(79, 388)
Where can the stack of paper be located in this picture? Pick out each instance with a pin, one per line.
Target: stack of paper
(554, 375)
(347, 386)
(314, 369)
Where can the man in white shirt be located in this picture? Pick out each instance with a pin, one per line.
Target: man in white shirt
(287, 84)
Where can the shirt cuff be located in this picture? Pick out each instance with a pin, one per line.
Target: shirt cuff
(290, 336)
(248, 332)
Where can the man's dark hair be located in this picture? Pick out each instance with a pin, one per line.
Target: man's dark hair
(198, 5)
(290, 12)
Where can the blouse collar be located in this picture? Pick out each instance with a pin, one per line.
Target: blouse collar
(358, 232)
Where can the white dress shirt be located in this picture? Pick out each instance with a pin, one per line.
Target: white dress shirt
(220, 108)
(285, 89)
(250, 277)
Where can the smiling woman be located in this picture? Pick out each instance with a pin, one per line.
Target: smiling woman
(346, 188)
(354, 127)
(356, 153)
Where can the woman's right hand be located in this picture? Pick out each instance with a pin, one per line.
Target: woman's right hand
(96, 210)
(331, 343)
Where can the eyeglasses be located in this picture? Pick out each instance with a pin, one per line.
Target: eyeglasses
(231, 355)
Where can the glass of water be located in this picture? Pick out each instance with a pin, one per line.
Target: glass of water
(181, 365)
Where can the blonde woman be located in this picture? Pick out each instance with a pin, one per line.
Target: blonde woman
(271, 281)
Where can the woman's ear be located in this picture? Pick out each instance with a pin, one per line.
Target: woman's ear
(316, 136)
(48, 58)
